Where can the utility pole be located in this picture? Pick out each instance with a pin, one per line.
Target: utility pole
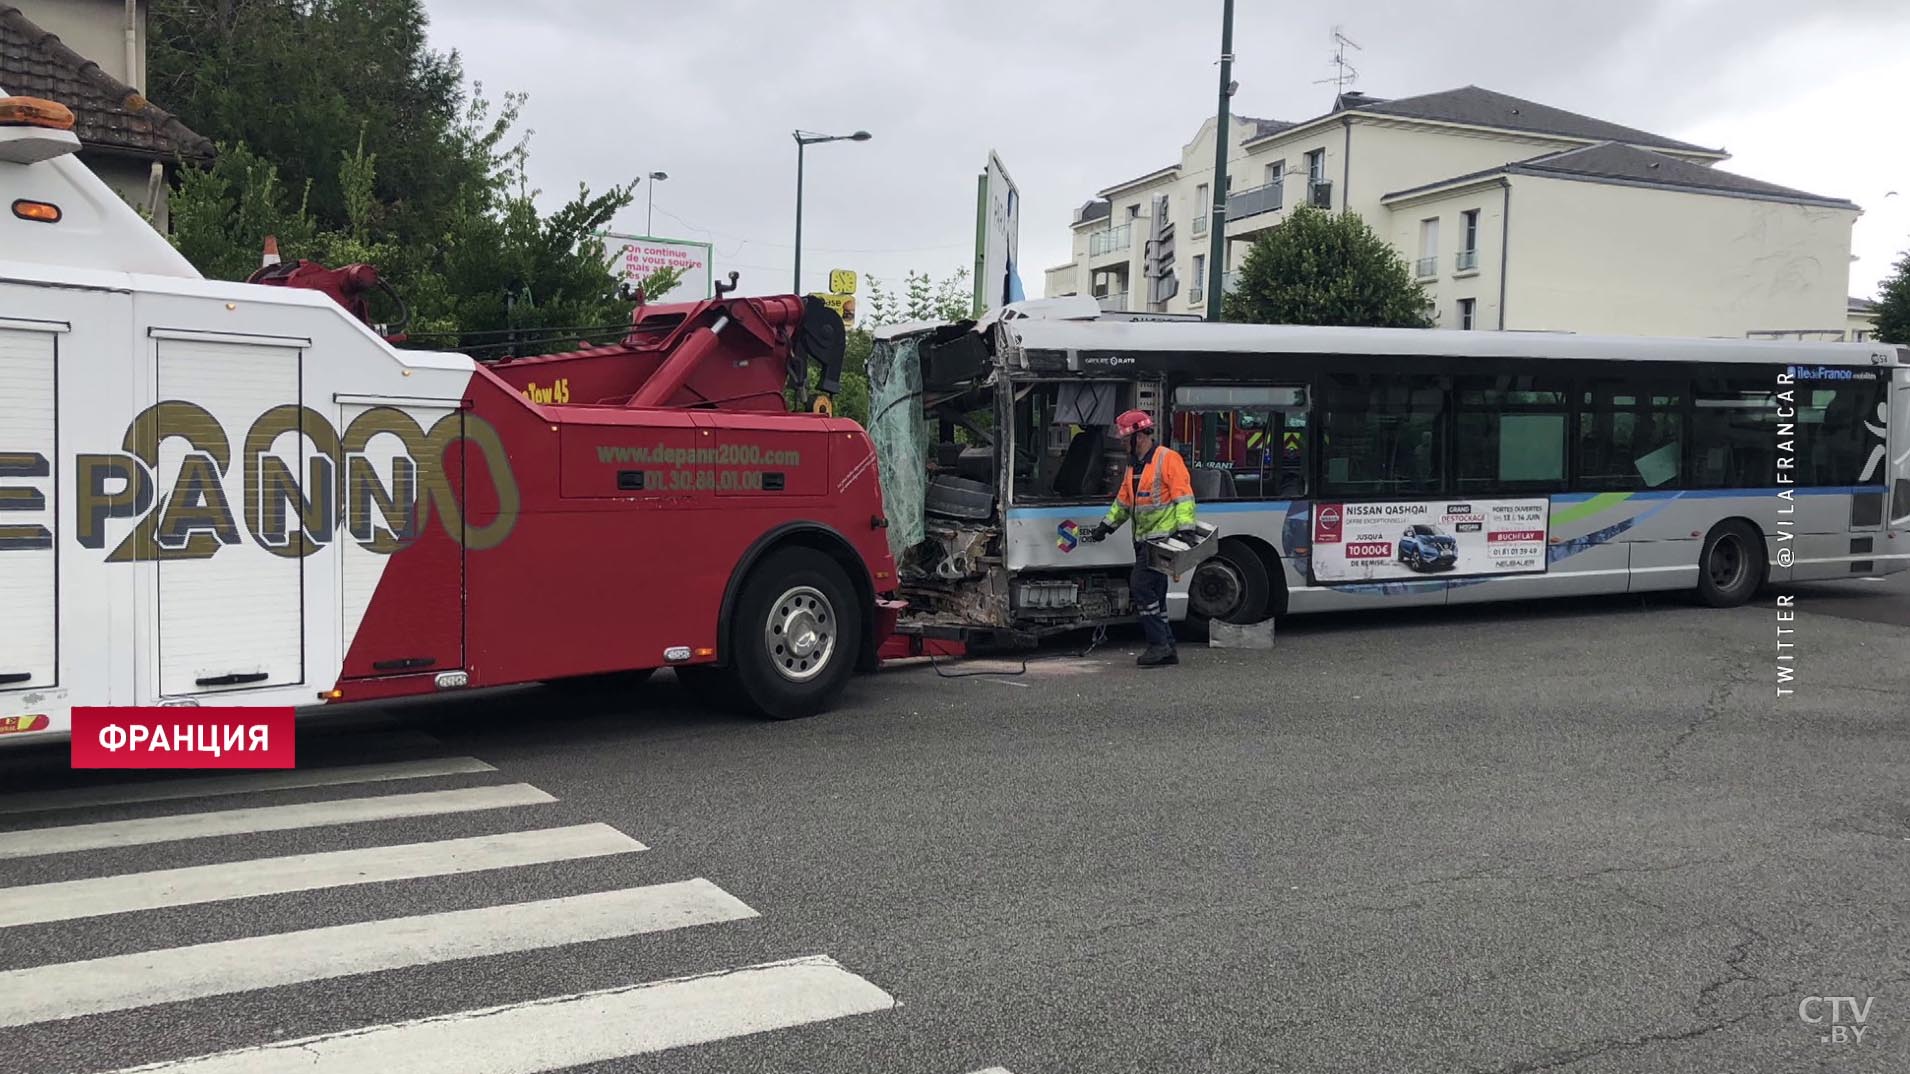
(1217, 227)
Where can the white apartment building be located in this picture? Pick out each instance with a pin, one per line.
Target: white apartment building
(1513, 214)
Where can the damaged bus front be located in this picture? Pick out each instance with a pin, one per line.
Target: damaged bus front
(993, 460)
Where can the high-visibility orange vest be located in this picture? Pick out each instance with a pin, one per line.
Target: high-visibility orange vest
(1165, 502)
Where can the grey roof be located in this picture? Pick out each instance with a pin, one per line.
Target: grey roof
(1627, 165)
(1860, 305)
(1141, 178)
(108, 115)
(1484, 108)
(1097, 209)
(1264, 127)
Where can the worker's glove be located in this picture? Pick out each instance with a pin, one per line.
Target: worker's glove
(1192, 537)
(1096, 533)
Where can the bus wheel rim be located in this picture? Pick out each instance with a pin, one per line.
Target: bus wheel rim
(800, 635)
(1727, 562)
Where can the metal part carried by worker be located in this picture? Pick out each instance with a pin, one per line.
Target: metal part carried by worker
(1157, 498)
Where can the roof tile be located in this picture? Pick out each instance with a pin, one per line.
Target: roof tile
(108, 114)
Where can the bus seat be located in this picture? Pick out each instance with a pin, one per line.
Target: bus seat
(1080, 465)
(1212, 484)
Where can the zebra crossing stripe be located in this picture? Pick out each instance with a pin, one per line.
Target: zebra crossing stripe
(207, 786)
(119, 833)
(567, 1031)
(170, 975)
(66, 900)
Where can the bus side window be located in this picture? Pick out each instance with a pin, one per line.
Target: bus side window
(1382, 436)
(1630, 436)
(1242, 442)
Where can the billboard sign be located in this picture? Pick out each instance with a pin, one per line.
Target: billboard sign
(1370, 542)
(634, 257)
(998, 208)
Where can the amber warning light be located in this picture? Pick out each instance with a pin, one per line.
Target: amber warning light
(35, 112)
(43, 211)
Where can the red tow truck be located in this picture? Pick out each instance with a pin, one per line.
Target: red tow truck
(241, 493)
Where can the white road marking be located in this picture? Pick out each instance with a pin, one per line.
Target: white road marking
(568, 1031)
(171, 975)
(248, 783)
(118, 833)
(66, 900)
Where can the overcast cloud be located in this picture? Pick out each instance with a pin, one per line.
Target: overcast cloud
(1077, 96)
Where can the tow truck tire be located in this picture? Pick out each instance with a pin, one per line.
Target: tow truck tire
(794, 635)
(1732, 565)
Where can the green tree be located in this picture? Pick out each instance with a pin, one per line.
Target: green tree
(300, 82)
(1321, 268)
(922, 298)
(1893, 304)
(343, 135)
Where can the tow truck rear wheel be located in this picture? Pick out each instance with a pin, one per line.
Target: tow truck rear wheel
(794, 634)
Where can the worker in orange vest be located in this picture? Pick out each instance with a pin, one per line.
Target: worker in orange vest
(1157, 494)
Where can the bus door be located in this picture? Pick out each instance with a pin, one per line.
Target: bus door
(1899, 449)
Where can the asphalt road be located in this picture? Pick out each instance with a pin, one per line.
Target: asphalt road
(1584, 836)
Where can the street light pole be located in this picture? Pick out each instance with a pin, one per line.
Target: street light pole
(804, 139)
(1217, 240)
(650, 211)
(795, 288)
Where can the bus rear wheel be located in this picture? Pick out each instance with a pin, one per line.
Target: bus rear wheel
(1731, 566)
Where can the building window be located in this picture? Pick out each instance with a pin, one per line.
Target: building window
(1467, 306)
(1201, 209)
(1277, 179)
(1316, 166)
(1194, 289)
(1428, 263)
(1467, 259)
(1134, 212)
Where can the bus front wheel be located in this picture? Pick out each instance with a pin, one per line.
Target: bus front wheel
(1732, 566)
(1231, 585)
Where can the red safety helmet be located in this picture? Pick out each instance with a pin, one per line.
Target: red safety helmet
(1133, 421)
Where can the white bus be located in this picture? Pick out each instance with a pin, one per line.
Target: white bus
(1351, 468)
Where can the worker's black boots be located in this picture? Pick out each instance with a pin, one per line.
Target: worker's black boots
(1158, 656)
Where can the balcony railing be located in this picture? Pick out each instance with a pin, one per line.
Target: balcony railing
(1229, 282)
(1195, 294)
(1113, 302)
(1319, 193)
(1257, 200)
(1426, 267)
(1200, 221)
(1111, 240)
(1465, 261)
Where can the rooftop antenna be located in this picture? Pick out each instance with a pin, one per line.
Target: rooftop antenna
(1344, 74)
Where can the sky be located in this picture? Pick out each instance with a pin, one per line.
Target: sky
(1075, 97)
